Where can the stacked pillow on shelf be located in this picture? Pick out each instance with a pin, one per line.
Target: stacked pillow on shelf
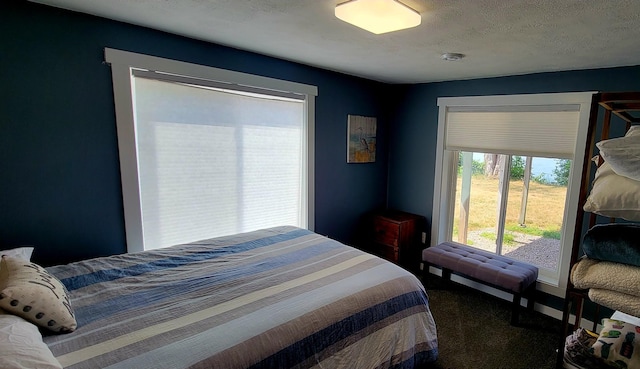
(612, 253)
(623, 153)
(616, 186)
(30, 298)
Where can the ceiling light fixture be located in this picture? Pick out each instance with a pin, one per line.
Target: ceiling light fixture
(378, 16)
(452, 56)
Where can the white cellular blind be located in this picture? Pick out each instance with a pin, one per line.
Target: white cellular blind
(214, 162)
(532, 133)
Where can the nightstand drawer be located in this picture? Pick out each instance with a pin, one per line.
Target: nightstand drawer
(393, 235)
(386, 232)
(390, 253)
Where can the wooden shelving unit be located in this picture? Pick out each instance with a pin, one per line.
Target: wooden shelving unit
(622, 105)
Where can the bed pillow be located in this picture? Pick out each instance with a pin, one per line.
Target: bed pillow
(20, 252)
(619, 344)
(623, 153)
(21, 345)
(613, 195)
(29, 291)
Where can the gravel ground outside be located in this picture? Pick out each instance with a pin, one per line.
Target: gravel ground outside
(536, 250)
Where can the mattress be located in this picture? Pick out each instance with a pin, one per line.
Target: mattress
(283, 297)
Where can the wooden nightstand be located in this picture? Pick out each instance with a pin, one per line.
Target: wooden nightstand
(395, 236)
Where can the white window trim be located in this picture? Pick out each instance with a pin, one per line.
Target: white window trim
(123, 62)
(445, 172)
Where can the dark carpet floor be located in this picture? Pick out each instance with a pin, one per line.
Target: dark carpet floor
(474, 331)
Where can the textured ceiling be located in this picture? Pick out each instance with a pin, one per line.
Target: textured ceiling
(499, 37)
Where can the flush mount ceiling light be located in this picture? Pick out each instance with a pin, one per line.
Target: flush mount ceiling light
(378, 16)
(452, 56)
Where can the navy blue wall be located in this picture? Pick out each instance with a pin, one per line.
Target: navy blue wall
(60, 180)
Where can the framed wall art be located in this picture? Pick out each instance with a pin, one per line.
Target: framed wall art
(361, 139)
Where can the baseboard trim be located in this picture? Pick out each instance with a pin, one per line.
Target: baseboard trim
(544, 309)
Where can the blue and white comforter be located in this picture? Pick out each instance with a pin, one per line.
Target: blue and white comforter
(278, 298)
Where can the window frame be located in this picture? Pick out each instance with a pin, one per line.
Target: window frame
(446, 171)
(122, 65)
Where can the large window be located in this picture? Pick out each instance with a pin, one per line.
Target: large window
(206, 152)
(504, 180)
(512, 205)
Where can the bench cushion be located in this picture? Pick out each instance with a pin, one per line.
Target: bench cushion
(491, 268)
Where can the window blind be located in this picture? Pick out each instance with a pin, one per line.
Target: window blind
(548, 131)
(215, 161)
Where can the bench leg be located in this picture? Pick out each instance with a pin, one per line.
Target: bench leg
(427, 279)
(446, 274)
(530, 293)
(517, 297)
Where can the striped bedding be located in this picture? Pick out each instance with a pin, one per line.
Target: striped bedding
(282, 297)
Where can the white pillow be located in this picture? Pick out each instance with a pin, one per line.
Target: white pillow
(613, 195)
(21, 345)
(20, 252)
(29, 291)
(623, 153)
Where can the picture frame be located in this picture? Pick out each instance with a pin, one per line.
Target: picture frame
(361, 139)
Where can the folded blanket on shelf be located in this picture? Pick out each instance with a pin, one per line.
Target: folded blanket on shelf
(617, 242)
(588, 273)
(616, 300)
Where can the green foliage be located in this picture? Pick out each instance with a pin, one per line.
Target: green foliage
(551, 234)
(477, 167)
(488, 235)
(517, 167)
(561, 171)
(542, 179)
(534, 231)
(507, 238)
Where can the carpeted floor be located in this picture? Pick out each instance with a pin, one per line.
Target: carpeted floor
(474, 331)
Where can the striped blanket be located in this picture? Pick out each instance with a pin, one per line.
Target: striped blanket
(278, 298)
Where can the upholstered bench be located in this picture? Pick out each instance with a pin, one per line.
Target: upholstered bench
(508, 275)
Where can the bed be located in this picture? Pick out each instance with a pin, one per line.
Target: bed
(605, 263)
(283, 297)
